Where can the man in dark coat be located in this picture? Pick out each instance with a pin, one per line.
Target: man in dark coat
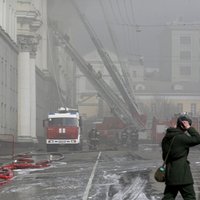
(178, 174)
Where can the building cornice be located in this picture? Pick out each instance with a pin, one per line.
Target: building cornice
(168, 95)
(29, 17)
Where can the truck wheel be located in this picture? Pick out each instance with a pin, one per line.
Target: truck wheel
(52, 148)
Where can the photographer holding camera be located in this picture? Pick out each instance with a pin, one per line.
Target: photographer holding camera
(178, 174)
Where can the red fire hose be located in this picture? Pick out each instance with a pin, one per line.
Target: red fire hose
(6, 173)
(23, 162)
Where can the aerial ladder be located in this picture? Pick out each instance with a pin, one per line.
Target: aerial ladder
(126, 75)
(113, 71)
(117, 105)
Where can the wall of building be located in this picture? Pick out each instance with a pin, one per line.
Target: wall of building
(44, 84)
(185, 55)
(8, 18)
(179, 54)
(8, 68)
(8, 85)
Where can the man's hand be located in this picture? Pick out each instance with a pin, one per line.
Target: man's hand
(186, 124)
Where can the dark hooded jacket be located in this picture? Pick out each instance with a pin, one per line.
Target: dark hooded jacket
(177, 168)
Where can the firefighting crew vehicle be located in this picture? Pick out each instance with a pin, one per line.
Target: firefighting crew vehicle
(159, 126)
(63, 128)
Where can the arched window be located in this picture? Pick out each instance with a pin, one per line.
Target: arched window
(140, 87)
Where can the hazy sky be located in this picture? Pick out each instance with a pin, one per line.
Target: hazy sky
(135, 24)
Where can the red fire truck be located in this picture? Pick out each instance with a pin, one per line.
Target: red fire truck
(63, 128)
(159, 127)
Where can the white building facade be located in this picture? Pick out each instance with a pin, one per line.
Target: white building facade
(186, 51)
(8, 17)
(8, 68)
(180, 54)
(28, 86)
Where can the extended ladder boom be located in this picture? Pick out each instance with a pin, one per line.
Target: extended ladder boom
(112, 69)
(118, 107)
(126, 76)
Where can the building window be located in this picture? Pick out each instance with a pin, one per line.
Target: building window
(185, 70)
(2, 71)
(1, 115)
(178, 87)
(185, 40)
(6, 74)
(180, 107)
(140, 87)
(193, 109)
(185, 55)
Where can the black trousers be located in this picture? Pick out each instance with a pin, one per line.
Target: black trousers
(187, 192)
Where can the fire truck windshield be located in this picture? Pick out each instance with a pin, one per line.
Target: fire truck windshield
(63, 122)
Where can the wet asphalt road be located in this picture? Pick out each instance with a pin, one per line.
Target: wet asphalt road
(106, 175)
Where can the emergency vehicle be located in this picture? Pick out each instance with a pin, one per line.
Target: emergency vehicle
(159, 126)
(63, 128)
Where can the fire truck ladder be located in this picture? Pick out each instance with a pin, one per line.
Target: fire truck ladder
(116, 104)
(126, 75)
(112, 69)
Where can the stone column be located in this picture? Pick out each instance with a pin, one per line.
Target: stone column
(33, 97)
(26, 89)
(24, 97)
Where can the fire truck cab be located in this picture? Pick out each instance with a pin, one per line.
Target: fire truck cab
(63, 128)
